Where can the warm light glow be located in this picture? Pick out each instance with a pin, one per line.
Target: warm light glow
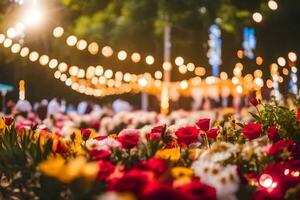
(273, 5)
(63, 77)
(69, 82)
(266, 181)
(200, 71)
(44, 59)
(107, 51)
(33, 56)
(196, 81)
(58, 32)
(235, 80)
(143, 82)
(239, 66)
(240, 54)
(184, 85)
(102, 80)
(158, 75)
(99, 70)
(63, 67)
(127, 77)
(210, 80)
(259, 82)
(108, 73)
(239, 89)
(93, 48)
(94, 80)
(11, 33)
(292, 56)
(281, 61)
(167, 66)
(257, 17)
(179, 61)
(57, 74)
(223, 76)
(15, 48)
(122, 55)
(33, 16)
(259, 60)
(258, 73)
(119, 76)
(269, 83)
(285, 71)
(53, 63)
(149, 60)
(81, 73)
(72, 40)
(135, 57)
(237, 71)
(73, 70)
(24, 52)
(22, 90)
(190, 67)
(90, 72)
(182, 69)
(2, 38)
(81, 45)
(7, 43)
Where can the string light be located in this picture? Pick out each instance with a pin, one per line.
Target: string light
(281, 61)
(149, 60)
(179, 61)
(15, 48)
(292, 56)
(107, 51)
(158, 75)
(53, 63)
(223, 76)
(58, 32)
(2, 38)
(259, 60)
(44, 59)
(63, 67)
(7, 43)
(24, 52)
(72, 40)
(257, 17)
(135, 57)
(122, 55)
(273, 5)
(93, 48)
(184, 84)
(81, 45)
(33, 56)
(167, 66)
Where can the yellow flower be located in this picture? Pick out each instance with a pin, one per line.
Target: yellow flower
(2, 124)
(182, 172)
(168, 154)
(181, 181)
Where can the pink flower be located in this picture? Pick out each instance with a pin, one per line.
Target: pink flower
(129, 138)
(97, 154)
(252, 131)
(212, 133)
(157, 132)
(106, 168)
(203, 124)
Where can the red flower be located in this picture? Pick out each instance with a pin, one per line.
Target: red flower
(159, 191)
(8, 121)
(61, 148)
(157, 166)
(157, 132)
(273, 133)
(106, 168)
(212, 133)
(97, 154)
(283, 144)
(298, 114)
(197, 190)
(254, 101)
(187, 135)
(133, 181)
(252, 131)
(129, 138)
(85, 134)
(203, 124)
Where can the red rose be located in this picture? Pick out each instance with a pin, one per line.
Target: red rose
(212, 133)
(283, 144)
(85, 133)
(157, 166)
(106, 168)
(129, 138)
(8, 121)
(273, 133)
(187, 135)
(197, 190)
(254, 101)
(159, 191)
(97, 154)
(133, 181)
(61, 148)
(298, 114)
(157, 132)
(252, 131)
(203, 124)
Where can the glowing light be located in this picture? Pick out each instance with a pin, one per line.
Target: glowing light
(73, 70)
(81, 73)
(158, 75)
(259, 60)
(259, 82)
(69, 82)
(149, 60)
(200, 71)
(93, 48)
(57, 74)
(2, 38)
(72, 40)
(239, 89)
(294, 69)
(295, 173)
(240, 54)
(285, 71)
(179, 61)
(167, 66)
(15, 48)
(12, 33)
(273, 5)
(119, 76)
(53, 63)
(258, 73)
(266, 181)
(184, 85)
(94, 80)
(122, 55)
(257, 17)
(33, 56)
(90, 72)
(292, 56)
(196, 81)
(63, 67)
(24, 52)
(102, 80)
(135, 57)
(143, 82)
(63, 77)
(44, 59)
(127, 77)
(190, 67)
(281, 61)
(239, 66)
(108, 73)
(223, 76)
(269, 83)
(237, 71)
(22, 90)
(182, 69)
(107, 51)
(81, 45)
(33, 16)
(235, 80)
(99, 70)
(58, 32)
(7, 43)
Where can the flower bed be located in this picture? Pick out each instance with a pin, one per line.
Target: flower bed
(221, 160)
